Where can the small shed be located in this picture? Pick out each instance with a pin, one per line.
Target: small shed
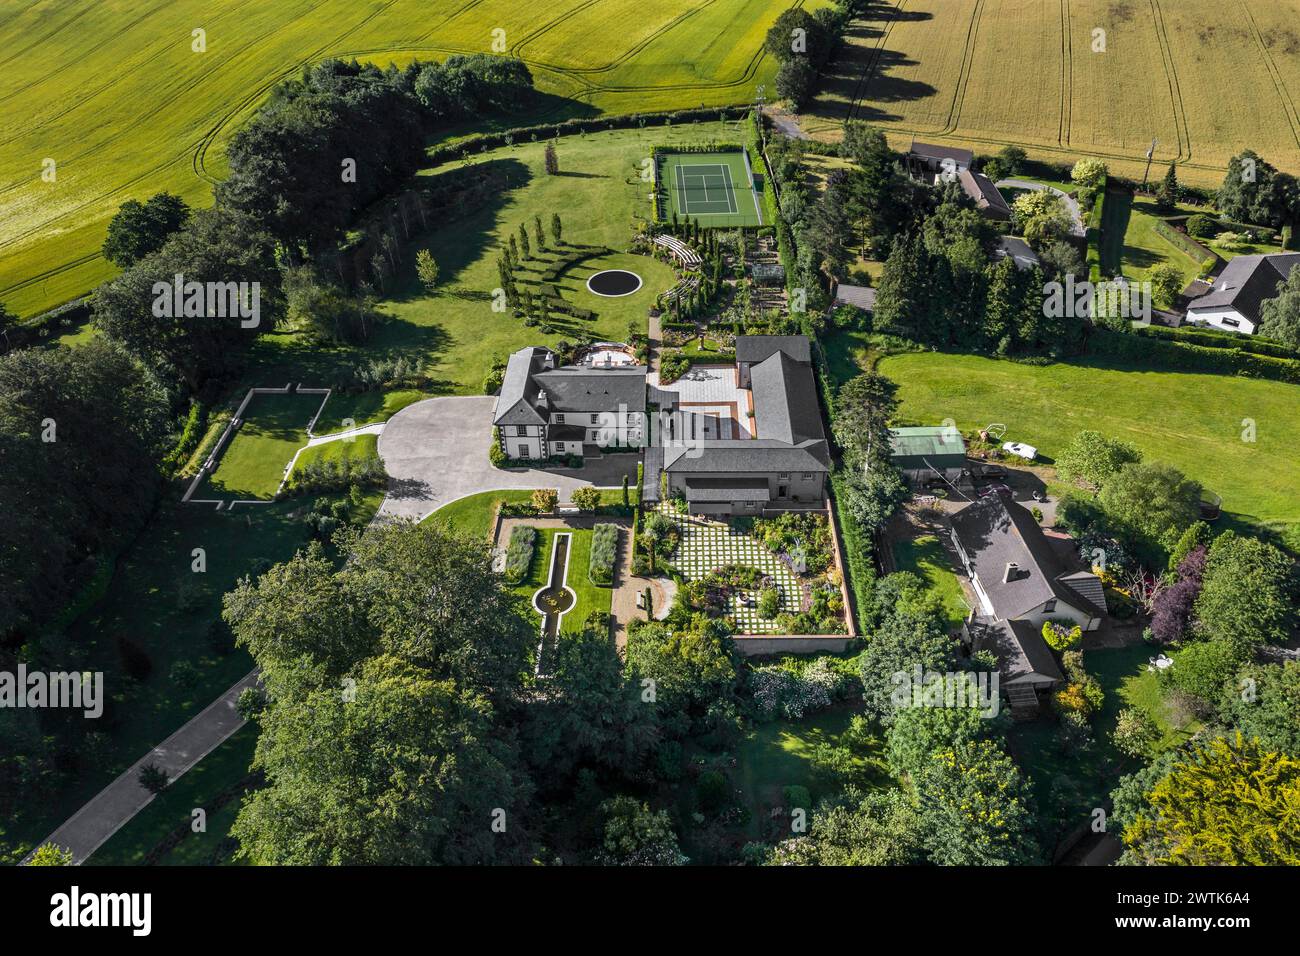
(927, 451)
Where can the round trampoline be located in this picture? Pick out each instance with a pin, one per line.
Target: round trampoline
(613, 283)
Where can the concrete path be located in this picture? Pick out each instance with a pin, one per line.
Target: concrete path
(1078, 227)
(122, 799)
(436, 451)
(374, 429)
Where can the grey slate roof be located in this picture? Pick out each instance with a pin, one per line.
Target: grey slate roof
(1020, 252)
(723, 488)
(1019, 646)
(516, 405)
(580, 389)
(859, 296)
(985, 195)
(995, 532)
(1246, 283)
(785, 400)
(962, 157)
(756, 348)
(747, 456)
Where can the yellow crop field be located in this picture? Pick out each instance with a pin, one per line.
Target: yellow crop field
(1204, 79)
(107, 100)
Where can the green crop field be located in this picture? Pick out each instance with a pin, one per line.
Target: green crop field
(1190, 420)
(1203, 78)
(115, 96)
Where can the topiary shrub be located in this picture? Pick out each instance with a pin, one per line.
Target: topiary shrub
(1202, 226)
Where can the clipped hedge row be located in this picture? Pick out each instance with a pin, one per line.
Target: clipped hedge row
(329, 474)
(1153, 349)
(604, 552)
(1185, 243)
(1216, 339)
(519, 552)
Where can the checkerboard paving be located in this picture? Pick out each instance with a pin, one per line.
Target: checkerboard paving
(707, 544)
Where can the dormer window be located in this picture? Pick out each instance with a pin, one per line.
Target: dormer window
(559, 419)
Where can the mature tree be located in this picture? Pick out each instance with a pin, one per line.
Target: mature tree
(683, 670)
(1223, 803)
(81, 431)
(217, 246)
(911, 631)
(1197, 535)
(139, 229)
(864, 406)
(635, 835)
(918, 732)
(875, 828)
(1168, 192)
(1280, 316)
(324, 311)
(794, 81)
(591, 715)
(1135, 733)
(1201, 668)
(976, 809)
(903, 296)
(1092, 457)
(1166, 282)
(1253, 191)
(426, 269)
(1042, 217)
(1089, 173)
(1249, 593)
(796, 35)
(872, 497)
(1152, 504)
(8, 321)
(1263, 702)
(398, 768)
(1171, 615)
(1002, 314)
(828, 230)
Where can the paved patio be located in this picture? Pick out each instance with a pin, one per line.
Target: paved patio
(711, 391)
(707, 545)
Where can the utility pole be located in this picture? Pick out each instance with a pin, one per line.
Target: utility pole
(1150, 153)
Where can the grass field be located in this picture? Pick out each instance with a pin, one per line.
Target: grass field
(599, 195)
(114, 94)
(252, 465)
(1190, 420)
(360, 446)
(981, 73)
(925, 557)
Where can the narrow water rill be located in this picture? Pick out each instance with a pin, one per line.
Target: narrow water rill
(555, 599)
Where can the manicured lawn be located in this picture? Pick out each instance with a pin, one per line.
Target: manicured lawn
(1190, 420)
(472, 515)
(1134, 685)
(590, 597)
(599, 197)
(209, 778)
(252, 465)
(925, 557)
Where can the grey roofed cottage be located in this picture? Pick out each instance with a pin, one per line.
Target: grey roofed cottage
(1023, 656)
(933, 155)
(1235, 300)
(859, 296)
(984, 194)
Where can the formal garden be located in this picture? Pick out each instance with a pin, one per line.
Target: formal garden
(765, 575)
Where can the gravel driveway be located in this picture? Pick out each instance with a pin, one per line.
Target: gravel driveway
(437, 451)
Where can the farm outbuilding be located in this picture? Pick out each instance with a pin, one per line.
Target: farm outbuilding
(928, 452)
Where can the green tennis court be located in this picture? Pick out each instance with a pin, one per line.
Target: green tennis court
(715, 188)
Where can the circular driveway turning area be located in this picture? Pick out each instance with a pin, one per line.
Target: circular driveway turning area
(613, 283)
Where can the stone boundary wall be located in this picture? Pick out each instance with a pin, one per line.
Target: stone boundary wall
(236, 421)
